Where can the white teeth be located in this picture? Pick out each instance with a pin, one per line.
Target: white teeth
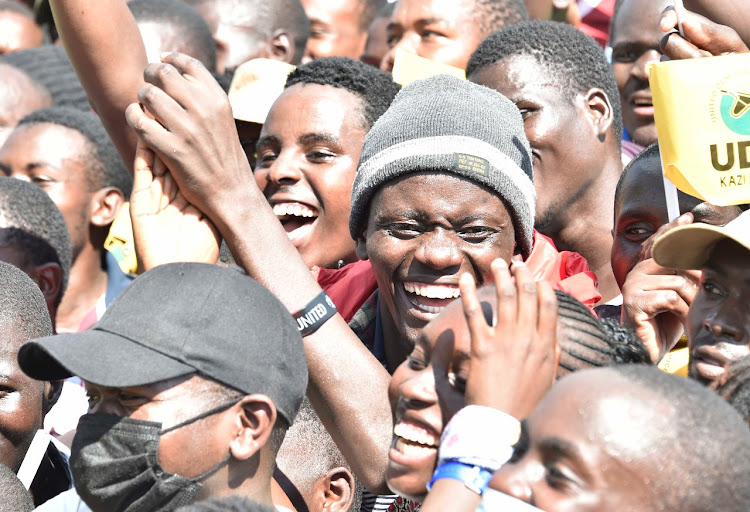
(413, 450)
(293, 209)
(432, 291)
(415, 434)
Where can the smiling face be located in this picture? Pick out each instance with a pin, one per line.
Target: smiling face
(423, 231)
(641, 209)
(54, 158)
(445, 31)
(635, 44)
(560, 138)
(307, 157)
(417, 418)
(719, 318)
(21, 401)
(335, 29)
(588, 447)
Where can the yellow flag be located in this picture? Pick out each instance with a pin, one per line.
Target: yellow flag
(408, 67)
(702, 113)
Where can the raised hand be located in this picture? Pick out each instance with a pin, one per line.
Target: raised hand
(514, 363)
(166, 227)
(656, 300)
(703, 37)
(193, 132)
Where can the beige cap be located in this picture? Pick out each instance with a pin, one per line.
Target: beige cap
(255, 86)
(689, 247)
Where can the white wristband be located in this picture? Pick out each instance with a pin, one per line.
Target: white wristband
(479, 436)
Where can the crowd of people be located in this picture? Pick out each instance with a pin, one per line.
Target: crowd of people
(245, 266)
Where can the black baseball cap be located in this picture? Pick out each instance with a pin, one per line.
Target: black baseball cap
(179, 319)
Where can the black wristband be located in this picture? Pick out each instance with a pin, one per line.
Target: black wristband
(316, 313)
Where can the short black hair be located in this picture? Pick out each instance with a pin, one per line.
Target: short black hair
(107, 168)
(734, 387)
(493, 15)
(22, 304)
(17, 7)
(707, 465)
(49, 66)
(30, 221)
(375, 88)
(650, 152)
(188, 24)
(589, 342)
(309, 452)
(15, 496)
(575, 61)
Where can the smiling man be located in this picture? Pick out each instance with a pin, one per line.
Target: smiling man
(447, 31)
(305, 168)
(441, 190)
(561, 82)
(719, 318)
(634, 36)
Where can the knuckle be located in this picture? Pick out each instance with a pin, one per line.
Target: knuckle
(671, 297)
(164, 71)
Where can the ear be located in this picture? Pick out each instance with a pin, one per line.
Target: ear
(105, 205)
(281, 47)
(360, 245)
(48, 277)
(52, 392)
(256, 417)
(599, 111)
(339, 490)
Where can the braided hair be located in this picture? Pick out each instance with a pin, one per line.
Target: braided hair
(587, 342)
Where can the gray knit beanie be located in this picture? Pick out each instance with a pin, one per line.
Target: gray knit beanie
(446, 124)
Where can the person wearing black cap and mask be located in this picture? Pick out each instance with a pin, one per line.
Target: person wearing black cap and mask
(193, 375)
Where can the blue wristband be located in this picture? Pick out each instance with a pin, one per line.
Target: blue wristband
(473, 477)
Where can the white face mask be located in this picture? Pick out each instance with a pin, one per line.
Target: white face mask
(496, 501)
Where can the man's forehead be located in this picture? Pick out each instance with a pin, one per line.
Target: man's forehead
(728, 254)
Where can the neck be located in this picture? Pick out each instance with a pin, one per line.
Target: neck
(87, 282)
(586, 227)
(248, 479)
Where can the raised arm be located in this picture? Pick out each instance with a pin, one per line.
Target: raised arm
(197, 139)
(105, 46)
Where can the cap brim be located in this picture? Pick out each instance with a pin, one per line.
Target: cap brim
(99, 357)
(689, 247)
